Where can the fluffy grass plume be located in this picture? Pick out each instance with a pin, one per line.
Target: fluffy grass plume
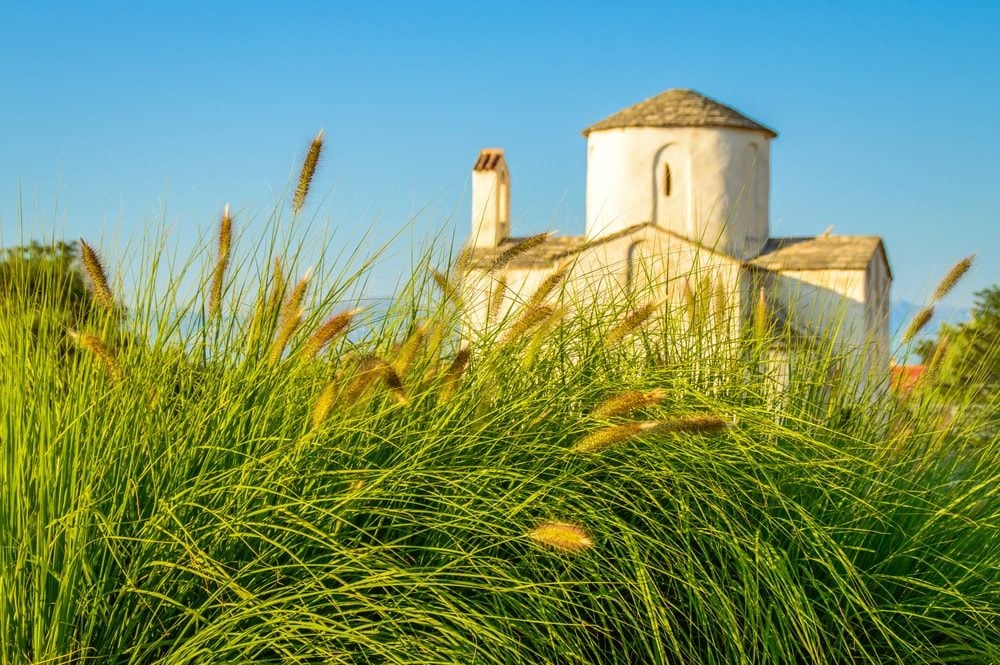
(453, 375)
(497, 295)
(561, 536)
(628, 402)
(289, 319)
(331, 328)
(617, 434)
(953, 277)
(289, 324)
(612, 436)
(407, 351)
(720, 301)
(307, 173)
(919, 322)
(96, 275)
(761, 317)
(548, 285)
(225, 242)
(95, 346)
(448, 288)
(266, 308)
(517, 249)
(632, 323)
(696, 423)
(324, 403)
(526, 322)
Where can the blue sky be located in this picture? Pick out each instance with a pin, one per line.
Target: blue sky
(887, 113)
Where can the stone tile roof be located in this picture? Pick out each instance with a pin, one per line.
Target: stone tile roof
(828, 252)
(543, 255)
(679, 108)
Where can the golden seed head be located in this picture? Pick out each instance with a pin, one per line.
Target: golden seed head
(307, 173)
(627, 402)
(561, 536)
(497, 296)
(918, 323)
(548, 285)
(392, 380)
(448, 288)
(954, 275)
(102, 352)
(324, 404)
(698, 423)
(517, 249)
(404, 356)
(335, 325)
(221, 262)
(287, 328)
(97, 276)
(528, 320)
(609, 436)
(369, 371)
(454, 373)
(632, 322)
(761, 318)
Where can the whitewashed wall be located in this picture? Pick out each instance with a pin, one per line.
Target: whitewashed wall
(719, 190)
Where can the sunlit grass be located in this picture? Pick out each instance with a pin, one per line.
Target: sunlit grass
(589, 488)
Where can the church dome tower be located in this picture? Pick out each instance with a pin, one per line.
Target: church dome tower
(684, 162)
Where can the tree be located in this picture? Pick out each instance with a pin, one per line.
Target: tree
(963, 362)
(42, 283)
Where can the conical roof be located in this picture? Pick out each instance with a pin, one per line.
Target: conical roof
(679, 108)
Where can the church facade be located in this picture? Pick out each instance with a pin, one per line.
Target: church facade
(677, 200)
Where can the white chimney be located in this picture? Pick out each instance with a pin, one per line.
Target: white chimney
(490, 199)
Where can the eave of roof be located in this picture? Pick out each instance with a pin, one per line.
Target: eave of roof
(679, 107)
(828, 252)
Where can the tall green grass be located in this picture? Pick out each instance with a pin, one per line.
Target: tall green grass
(400, 498)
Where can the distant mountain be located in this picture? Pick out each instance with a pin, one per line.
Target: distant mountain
(901, 313)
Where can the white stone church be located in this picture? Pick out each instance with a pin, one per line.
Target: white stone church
(677, 190)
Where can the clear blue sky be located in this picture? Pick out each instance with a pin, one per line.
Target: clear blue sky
(887, 112)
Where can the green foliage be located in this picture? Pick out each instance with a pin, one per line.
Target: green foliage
(40, 284)
(192, 507)
(964, 360)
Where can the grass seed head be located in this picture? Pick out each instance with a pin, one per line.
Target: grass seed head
(548, 285)
(561, 536)
(335, 325)
(497, 296)
(307, 173)
(919, 322)
(289, 324)
(761, 316)
(954, 275)
(697, 423)
(392, 381)
(453, 375)
(324, 404)
(628, 402)
(518, 248)
(408, 349)
(528, 320)
(102, 352)
(97, 276)
(610, 436)
(225, 242)
(631, 323)
(447, 286)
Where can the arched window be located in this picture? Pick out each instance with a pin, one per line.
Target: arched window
(666, 180)
(638, 265)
